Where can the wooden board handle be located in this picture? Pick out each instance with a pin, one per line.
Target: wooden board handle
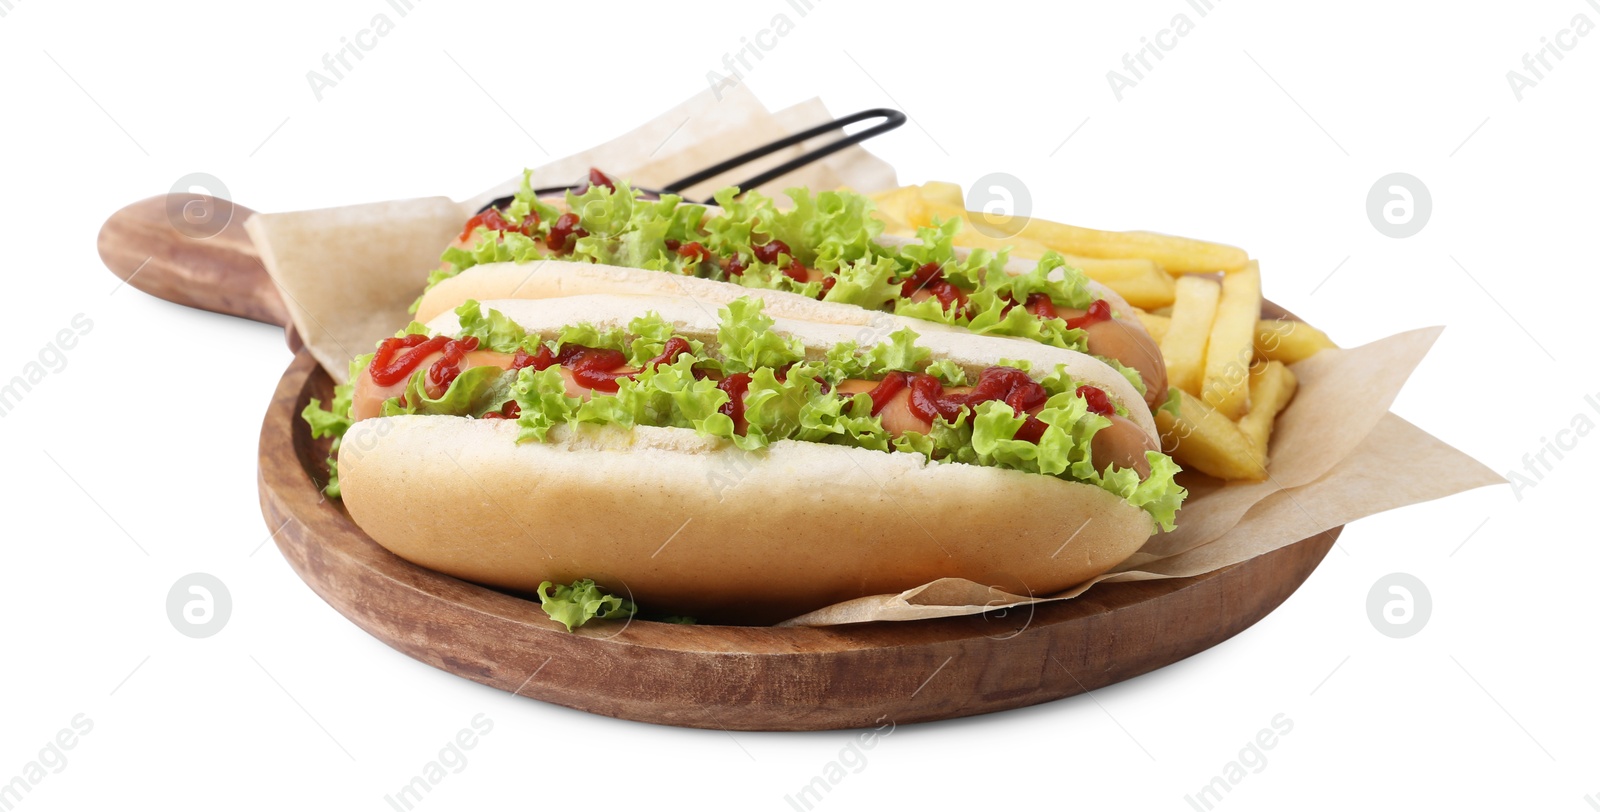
(192, 249)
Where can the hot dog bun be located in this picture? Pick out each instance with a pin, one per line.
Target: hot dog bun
(685, 523)
(688, 524)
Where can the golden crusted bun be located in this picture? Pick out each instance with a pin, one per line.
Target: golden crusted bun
(688, 524)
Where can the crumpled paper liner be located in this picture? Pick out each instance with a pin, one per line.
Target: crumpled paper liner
(1337, 453)
(349, 274)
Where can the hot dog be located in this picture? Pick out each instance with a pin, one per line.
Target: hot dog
(825, 259)
(739, 468)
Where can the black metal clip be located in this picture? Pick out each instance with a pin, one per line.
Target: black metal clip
(891, 120)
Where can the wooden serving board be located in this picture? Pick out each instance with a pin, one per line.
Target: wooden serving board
(728, 677)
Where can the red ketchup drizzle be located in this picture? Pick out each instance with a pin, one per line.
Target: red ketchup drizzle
(735, 265)
(593, 368)
(1039, 304)
(886, 390)
(929, 277)
(827, 284)
(692, 250)
(769, 252)
(1097, 400)
(510, 411)
(445, 370)
(929, 400)
(1098, 312)
(495, 220)
(675, 347)
(564, 232)
(540, 360)
(390, 365)
(598, 178)
(1031, 430)
(735, 385)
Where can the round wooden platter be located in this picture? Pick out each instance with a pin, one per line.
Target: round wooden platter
(727, 677)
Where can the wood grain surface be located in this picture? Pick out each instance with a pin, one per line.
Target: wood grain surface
(192, 249)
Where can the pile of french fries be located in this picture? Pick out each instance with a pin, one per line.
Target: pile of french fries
(1201, 301)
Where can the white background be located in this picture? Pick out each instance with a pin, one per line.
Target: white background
(1264, 127)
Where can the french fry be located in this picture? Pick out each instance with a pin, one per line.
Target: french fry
(1178, 255)
(1155, 325)
(1184, 343)
(1290, 341)
(877, 197)
(1140, 281)
(1231, 346)
(902, 205)
(892, 224)
(971, 237)
(1020, 248)
(895, 228)
(1175, 255)
(1201, 438)
(1272, 386)
(944, 194)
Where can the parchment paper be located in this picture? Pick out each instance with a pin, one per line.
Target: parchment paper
(1337, 453)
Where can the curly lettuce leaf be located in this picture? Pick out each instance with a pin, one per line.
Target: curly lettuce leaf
(334, 421)
(1064, 449)
(1174, 402)
(331, 422)
(1132, 375)
(588, 335)
(526, 202)
(575, 604)
(900, 353)
(626, 230)
(867, 282)
(472, 393)
(498, 246)
(936, 245)
(728, 233)
(493, 329)
(1158, 494)
(948, 372)
(828, 229)
(746, 340)
(649, 334)
(542, 397)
